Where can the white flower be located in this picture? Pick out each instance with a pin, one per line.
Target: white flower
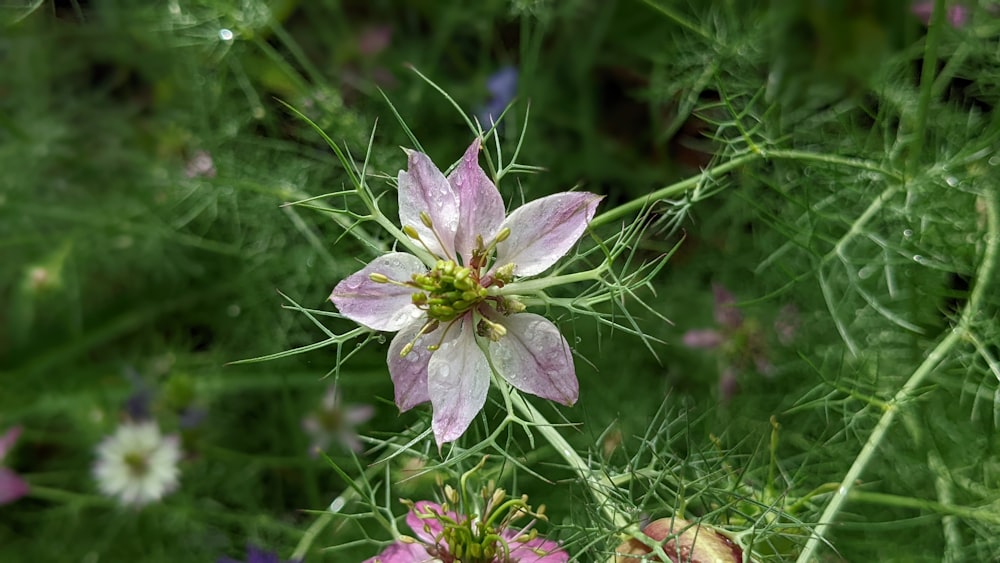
(137, 465)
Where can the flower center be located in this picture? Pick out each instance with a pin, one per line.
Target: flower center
(137, 463)
(448, 290)
(469, 547)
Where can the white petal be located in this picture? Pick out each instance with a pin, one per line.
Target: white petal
(409, 372)
(380, 306)
(424, 189)
(458, 379)
(535, 358)
(544, 230)
(481, 208)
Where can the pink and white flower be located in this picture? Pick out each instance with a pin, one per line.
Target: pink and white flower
(335, 421)
(455, 324)
(445, 536)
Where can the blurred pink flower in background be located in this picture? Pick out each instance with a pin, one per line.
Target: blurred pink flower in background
(12, 486)
(958, 14)
(742, 343)
(334, 421)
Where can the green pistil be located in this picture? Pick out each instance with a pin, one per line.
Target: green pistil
(467, 547)
(137, 463)
(449, 291)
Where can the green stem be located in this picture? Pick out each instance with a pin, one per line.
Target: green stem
(712, 173)
(926, 84)
(948, 509)
(323, 520)
(911, 388)
(540, 284)
(598, 486)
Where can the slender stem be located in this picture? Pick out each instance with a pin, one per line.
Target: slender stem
(926, 84)
(350, 494)
(711, 173)
(910, 388)
(950, 510)
(598, 487)
(541, 284)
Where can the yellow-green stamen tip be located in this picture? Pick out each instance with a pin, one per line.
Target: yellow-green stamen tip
(378, 278)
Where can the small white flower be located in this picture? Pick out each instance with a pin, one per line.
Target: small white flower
(137, 465)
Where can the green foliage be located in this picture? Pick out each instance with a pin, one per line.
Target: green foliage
(846, 172)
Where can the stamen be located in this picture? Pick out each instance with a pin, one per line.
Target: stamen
(429, 326)
(378, 278)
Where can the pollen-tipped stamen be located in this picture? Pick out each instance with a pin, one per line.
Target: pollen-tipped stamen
(429, 326)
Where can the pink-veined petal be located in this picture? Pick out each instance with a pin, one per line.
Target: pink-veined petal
(409, 373)
(458, 379)
(425, 527)
(424, 189)
(380, 306)
(401, 552)
(12, 487)
(481, 209)
(544, 230)
(535, 358)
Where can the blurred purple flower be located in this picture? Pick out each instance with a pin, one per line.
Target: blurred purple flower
(12, 487)
(374, 40)
(741, 342)
(257, 555)
(502, 86)
(958, 14)
(335, 421)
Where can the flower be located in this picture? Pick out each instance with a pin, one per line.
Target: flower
(444, 536)
(257, 555)
(335, 421)
(200, 165)
(958, 15)
(137, 465)
(446, 309)
(502, 86)
(683, 541)
(742, 341)
(12, 486)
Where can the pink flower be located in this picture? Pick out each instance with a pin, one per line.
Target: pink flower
(334, 421)
(445, 536)
(741, 341)
(452, 317)
(12, 487)
(958, 15)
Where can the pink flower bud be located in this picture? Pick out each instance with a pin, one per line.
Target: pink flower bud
(683, 541)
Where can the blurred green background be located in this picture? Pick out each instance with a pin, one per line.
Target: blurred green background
(146, 155)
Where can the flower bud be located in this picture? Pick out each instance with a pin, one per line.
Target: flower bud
(682, 540)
